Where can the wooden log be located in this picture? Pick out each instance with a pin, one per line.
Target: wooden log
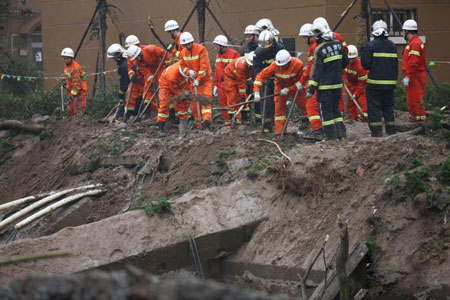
(14, 124)
(33, 256)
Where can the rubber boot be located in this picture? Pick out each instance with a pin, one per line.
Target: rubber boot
(330, 132)
(376, 131)
(391, 129)
(245, 117)
(173, 116)
(267, 128)
(340, 131)
(161, 126)
(315, 135)
(182, 127)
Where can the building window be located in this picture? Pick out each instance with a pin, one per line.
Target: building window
(395, 29)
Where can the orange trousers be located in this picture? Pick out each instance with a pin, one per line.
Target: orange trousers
(223, 100)
(205, 89)
(280, 107)
(414, 97)
(233, 97)
(77, 102)
(136, 91)
(164, 105)
(312, 111)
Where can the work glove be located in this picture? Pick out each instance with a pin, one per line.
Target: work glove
(257, 97)
(192, 74)
(353, 97)
(288, 103)
(406, 82)
(215, 91)
(309, 95)
(284, 91)
(196, 83)
(299, 85)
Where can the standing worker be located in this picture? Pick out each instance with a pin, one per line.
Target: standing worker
(380, 58)
(356, 79)
(414, 65)
(147, 60)
(195, 63)
(312, 108)
(118, 53)
(173, 29)
(237, 74)
(224, 56)
(137, 89)
(251, 37)
(330, 59)
(75, 82)
(287, 71)
(264, 56)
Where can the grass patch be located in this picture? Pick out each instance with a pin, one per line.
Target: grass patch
(416, 182)
(444, 171)
(257, 166)
(154, 207)
(93, 163)
(415, 161)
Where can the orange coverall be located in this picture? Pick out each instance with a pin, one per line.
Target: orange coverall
(171, 83)
(151, 57)
(283, 78)
(197, 59)
(77, 87)
(222, 60)
(414, 66)
(138, 84)
(356, 80)
(236, 75)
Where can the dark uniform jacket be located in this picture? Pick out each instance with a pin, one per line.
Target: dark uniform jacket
(380, 58)
(122, 69)
(330, 58)
(248, 47)
(265, 56)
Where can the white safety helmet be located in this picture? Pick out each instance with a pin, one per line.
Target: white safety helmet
(133, 52)
(282, 58)
(114, 49)
(251, 29)
(409, 25)
(266, 39)
(131, 40)
(264, 24)
(249, 58)
(379, 28)
(305, 30)
(186, 38)
(352, 51)
(67, 52)
(221, 40)
(321, 29)
(171, 25)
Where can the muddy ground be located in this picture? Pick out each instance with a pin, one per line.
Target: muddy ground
(364, 180)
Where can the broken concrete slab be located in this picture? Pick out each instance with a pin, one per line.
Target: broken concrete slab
(221, 219)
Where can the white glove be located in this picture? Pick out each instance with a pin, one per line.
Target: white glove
(284, 91)
(192, 74)
(288, 103)
(308, 95)
(196, 83)
(406, 82)
(257, 97)
(215, 91)
(353, 97)
(298, 85)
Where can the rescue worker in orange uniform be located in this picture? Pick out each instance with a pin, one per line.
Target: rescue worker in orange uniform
(413, 68)
(288, 72)
(312, 108)
(356, 83)
(137, 87)
(224, 56)
(75, 82)
(237, 74)
(146, 61)
(175, 48)
(195, 63)
(172, 82)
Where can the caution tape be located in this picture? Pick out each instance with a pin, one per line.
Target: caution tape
(31, 78)
(434, 62)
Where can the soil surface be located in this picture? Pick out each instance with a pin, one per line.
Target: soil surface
(364, 180)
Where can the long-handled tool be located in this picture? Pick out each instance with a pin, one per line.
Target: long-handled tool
(152, 28)
(245, 102)
(199, 113)
(355, 102)
(233, 120)
(127, 101)
(263, 117)
(139, 116)
(62, 96)
(289, 114)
